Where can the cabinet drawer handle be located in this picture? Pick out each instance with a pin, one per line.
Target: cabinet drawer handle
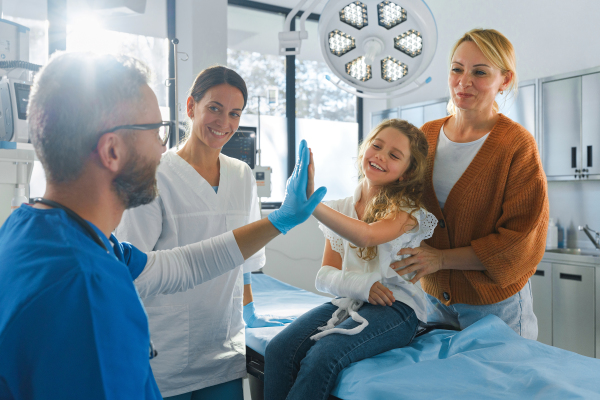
(589, 156)
(570, 277)
(539, 272)
(574, 157)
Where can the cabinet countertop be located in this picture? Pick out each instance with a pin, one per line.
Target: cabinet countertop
(552, 257)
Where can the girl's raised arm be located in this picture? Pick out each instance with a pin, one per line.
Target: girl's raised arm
(357, 232)
(362, 234)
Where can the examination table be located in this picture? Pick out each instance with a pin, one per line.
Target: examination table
(488, 360)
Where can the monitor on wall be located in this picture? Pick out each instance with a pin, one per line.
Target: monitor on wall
(242, 145)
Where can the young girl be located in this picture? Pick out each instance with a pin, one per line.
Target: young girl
(363, 234)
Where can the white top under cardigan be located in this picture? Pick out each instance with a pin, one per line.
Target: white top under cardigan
(451, 161)
(404, 291)
(199, 334)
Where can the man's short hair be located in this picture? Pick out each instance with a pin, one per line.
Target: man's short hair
(75, 97)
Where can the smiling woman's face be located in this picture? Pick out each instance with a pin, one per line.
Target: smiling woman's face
(216, 116)
(473, 81)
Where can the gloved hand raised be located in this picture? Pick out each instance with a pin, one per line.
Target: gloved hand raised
(296, 208)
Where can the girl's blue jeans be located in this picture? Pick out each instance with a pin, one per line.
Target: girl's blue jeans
(297, 367)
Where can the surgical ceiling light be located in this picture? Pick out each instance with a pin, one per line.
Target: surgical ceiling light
(410, 43)
(340, 43)
(358, 69)
(392, 69)
(355, 14)
(390, 14)
(378, 60)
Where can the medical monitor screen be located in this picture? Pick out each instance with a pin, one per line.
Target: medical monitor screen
(22, 96)
(242, 145)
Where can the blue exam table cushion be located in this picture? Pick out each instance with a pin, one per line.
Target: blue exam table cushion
(486, 360)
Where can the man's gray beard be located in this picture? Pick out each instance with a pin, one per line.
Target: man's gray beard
(136, 185)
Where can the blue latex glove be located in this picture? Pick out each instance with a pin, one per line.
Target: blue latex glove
(296, 208)
(254, 321)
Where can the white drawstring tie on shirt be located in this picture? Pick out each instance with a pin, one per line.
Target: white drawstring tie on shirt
(347, 307)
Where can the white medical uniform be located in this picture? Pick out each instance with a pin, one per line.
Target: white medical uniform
(199, 334)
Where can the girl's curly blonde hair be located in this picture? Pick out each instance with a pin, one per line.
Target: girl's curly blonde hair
(402, 194)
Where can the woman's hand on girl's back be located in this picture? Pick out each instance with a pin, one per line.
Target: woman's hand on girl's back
(423, 260)
(380, 295)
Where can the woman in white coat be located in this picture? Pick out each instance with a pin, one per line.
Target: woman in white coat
(202, 193)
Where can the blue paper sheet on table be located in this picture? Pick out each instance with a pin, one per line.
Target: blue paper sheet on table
(486, 360)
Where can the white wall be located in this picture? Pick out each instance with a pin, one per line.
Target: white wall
(152, 22)
(295, 257)
(31, 9)
(202, 34)
(550, 37)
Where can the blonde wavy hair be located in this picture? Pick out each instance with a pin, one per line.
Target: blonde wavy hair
(401, 194)
(498, 50)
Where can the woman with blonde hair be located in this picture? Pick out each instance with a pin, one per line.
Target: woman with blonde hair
(486, 186)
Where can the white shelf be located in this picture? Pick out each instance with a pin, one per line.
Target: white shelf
(23, 153)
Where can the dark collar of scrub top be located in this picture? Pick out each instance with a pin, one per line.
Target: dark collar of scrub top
(83, 223)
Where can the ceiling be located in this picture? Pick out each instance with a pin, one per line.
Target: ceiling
(292, 4)
(258, 31)
(533, 26)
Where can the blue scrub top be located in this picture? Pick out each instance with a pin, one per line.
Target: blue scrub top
(72, 325)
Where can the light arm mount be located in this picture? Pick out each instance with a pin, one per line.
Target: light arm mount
(290, 42)
(392, 95)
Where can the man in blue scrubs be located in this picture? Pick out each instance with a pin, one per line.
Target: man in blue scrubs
(71, 323)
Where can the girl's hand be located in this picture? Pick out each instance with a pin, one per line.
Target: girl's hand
(310, 187)
(380, 295)
(424, 260)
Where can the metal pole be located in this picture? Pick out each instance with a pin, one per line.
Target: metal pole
(57, 25)
(259, 148)
(171, 34)
(359, 118)
(290, 106)
(175, 43)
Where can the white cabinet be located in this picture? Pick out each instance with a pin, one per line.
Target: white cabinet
(598, 315)
(570, 129)
(590, 124)
(566, 302)
(417, 114)
(380, 116)
(522, 108)
(435, 110)
(541, 290)
(420, 113)
(573, 308)
(561, 128)
(414, 115)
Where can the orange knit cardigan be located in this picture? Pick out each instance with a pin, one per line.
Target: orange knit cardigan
(499, 206)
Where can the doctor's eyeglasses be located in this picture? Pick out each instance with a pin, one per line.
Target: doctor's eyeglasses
(164, 129)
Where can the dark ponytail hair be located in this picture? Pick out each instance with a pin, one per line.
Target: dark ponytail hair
(214, 76)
